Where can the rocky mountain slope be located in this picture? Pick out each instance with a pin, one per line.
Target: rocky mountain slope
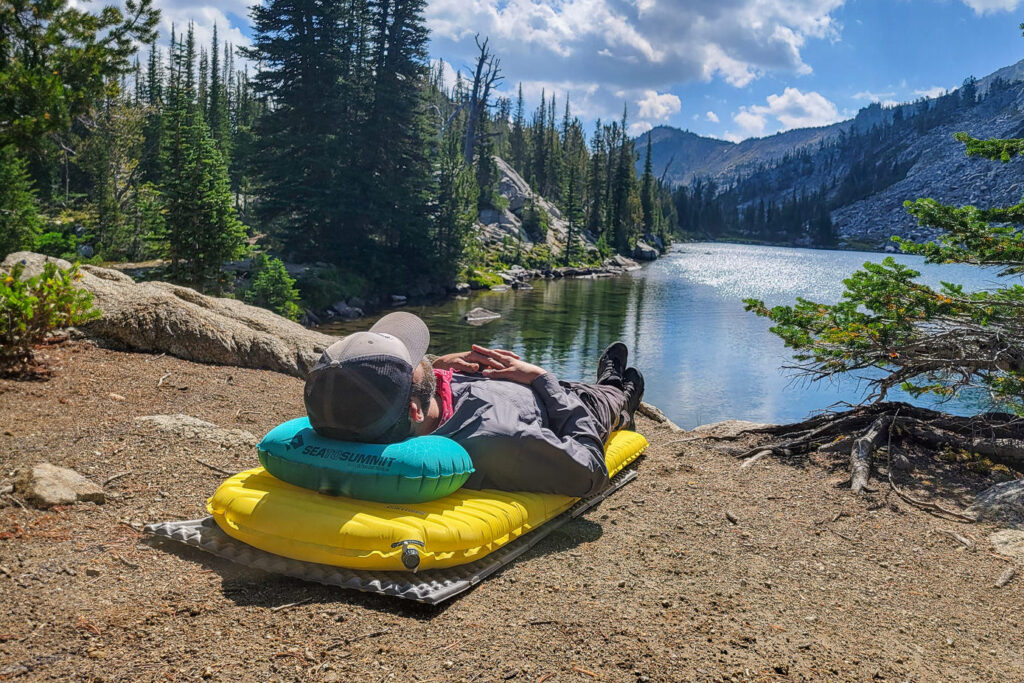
(868, 166)
(494, 226)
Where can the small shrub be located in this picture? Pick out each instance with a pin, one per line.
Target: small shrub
(480, 279)
(981, 465)
(30, 309)
(273, 288)
(54, 243)
(536, 222)
(539, 257)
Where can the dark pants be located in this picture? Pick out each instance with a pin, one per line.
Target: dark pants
(606, 404)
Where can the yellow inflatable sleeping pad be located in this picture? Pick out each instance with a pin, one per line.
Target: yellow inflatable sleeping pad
(286, 520)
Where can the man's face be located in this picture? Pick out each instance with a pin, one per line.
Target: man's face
(423, 384)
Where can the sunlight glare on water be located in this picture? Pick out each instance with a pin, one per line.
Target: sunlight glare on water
(704, 357)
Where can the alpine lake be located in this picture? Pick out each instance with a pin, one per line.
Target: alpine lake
(705, 358)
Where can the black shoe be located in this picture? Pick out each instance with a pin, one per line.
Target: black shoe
(612, 364)
(633, 385)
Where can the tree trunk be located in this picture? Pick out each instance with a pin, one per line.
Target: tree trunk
(863, 449)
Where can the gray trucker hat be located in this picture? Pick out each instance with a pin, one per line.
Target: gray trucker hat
(360, 388)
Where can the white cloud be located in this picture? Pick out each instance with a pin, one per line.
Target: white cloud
(791, 109)
(180, 12)
(448, 73)
(931, 92)
(635, 45)
(751, 123)
(992, 6)
(639, 128)
(658, 106)
(712, 117)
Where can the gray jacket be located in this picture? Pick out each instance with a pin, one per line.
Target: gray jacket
(526, 438)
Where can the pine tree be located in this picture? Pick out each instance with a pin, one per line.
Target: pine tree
(126, 207)
(395, 167)
(596, 183)
(216, 103)
(317, 67)
(623, 192)
(538, 149)
(201, 230)
(517, 140)
(20, 223)
(926, 340)
(647, 190)
(57, 62)
(272, 288)
(456, 208)
(153, 129)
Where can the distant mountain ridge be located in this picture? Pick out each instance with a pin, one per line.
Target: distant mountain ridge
(680, 156)
(905, 151)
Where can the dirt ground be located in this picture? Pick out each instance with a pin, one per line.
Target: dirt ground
(810, 583)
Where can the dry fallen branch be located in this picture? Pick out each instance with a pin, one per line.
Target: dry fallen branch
(928, 506)
(962, 540)
(1006, 577)
(281, 608)
(213, 467)
(371, 634)
(116, 477)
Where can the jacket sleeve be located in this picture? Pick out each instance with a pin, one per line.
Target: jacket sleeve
(572, 431)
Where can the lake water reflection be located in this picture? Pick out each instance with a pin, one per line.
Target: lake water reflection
(704, 357)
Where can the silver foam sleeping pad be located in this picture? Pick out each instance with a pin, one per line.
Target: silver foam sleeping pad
(432, 586)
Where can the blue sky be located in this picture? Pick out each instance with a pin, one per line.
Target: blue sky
(724, 68)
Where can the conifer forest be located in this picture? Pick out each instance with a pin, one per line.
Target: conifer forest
(332, 140)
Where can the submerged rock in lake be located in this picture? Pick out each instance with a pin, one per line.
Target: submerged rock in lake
(479, 316)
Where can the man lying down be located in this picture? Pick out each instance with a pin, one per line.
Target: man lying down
(523, 429)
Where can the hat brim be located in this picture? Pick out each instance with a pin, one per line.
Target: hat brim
(408, 328)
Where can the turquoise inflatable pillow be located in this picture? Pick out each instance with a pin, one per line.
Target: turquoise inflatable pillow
(416, 470)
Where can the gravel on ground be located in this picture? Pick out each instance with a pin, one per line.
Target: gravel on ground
(695, 571)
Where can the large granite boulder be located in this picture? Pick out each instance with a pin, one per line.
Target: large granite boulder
(161, 317)
(644, 251)
(512, 186)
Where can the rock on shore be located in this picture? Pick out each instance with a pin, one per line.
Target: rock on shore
(162, 317)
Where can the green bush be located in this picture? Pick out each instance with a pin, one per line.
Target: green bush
(481, 279)
(30, 309)
(55, 243)
(273, 288)
(536, 221)
(539, 257)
